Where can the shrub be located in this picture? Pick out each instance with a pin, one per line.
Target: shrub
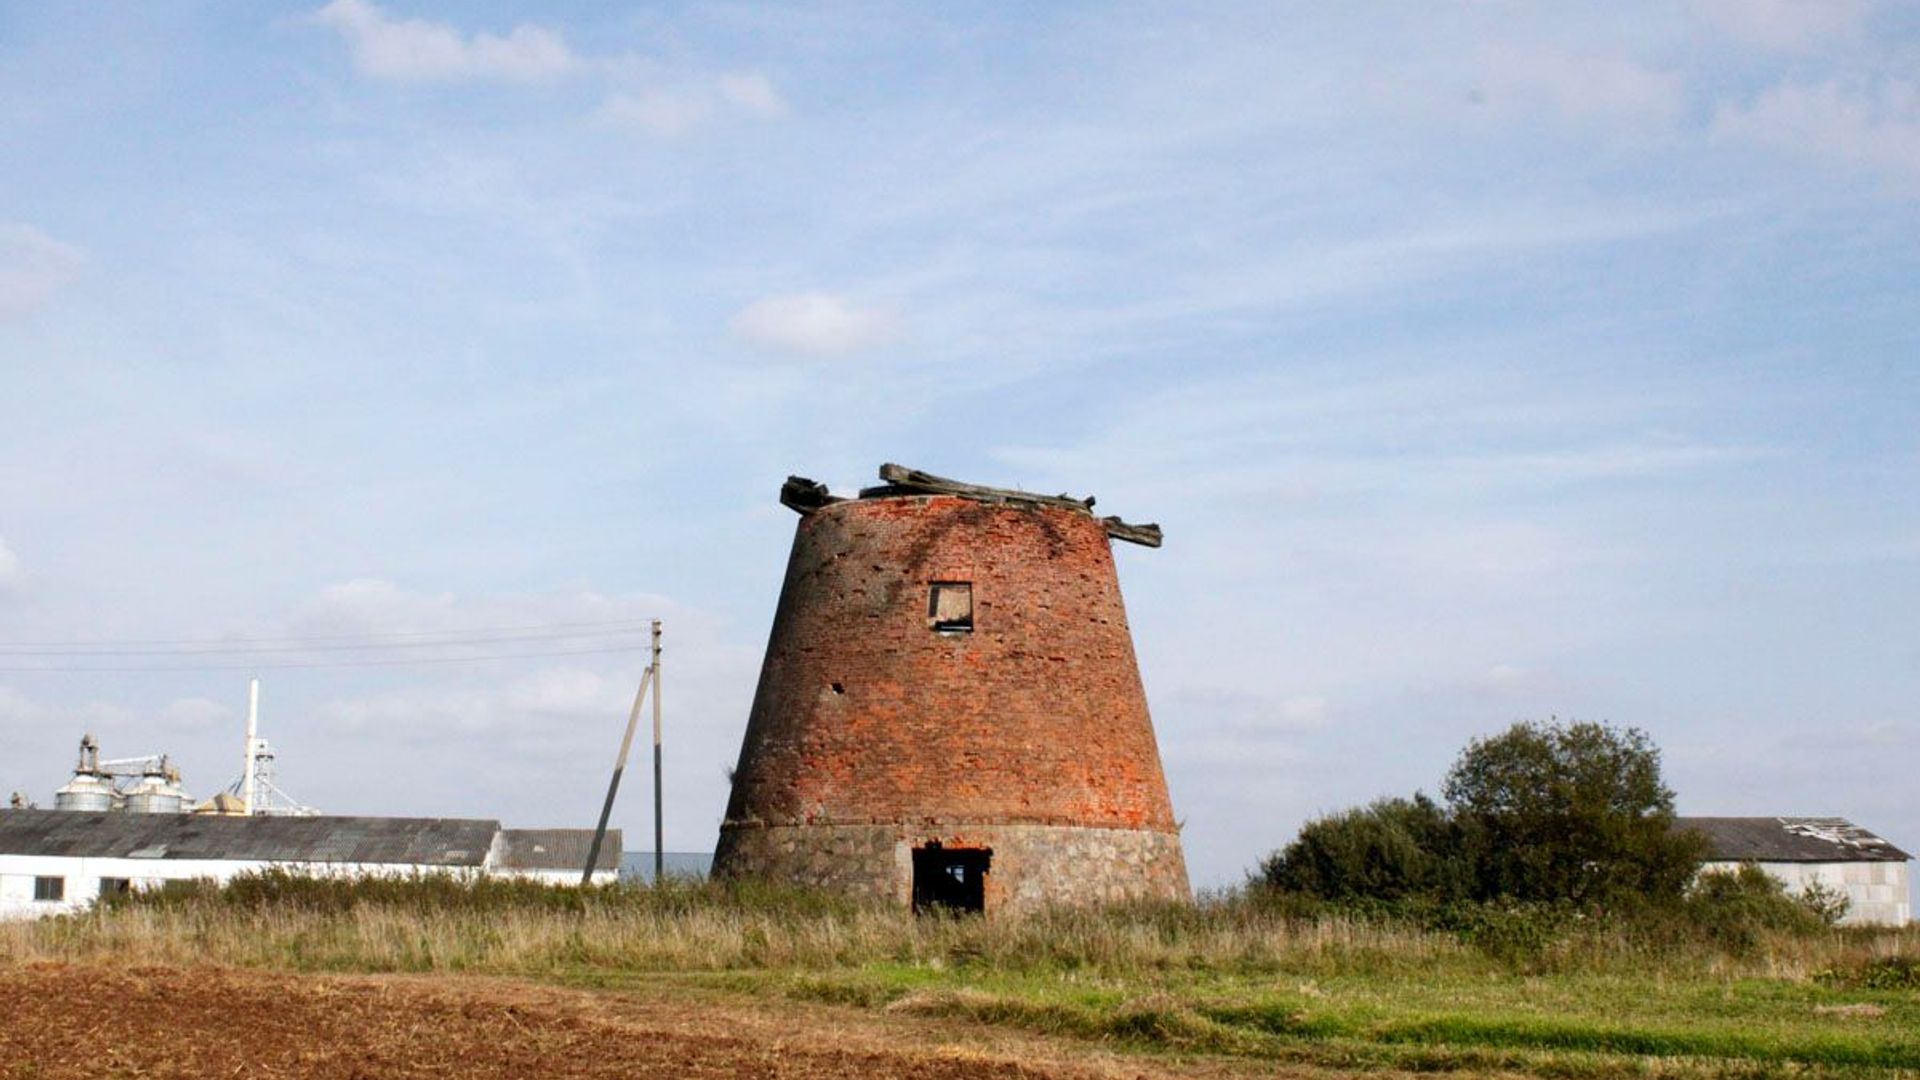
(1513, 933)
(1737, 908)
(1829, 903)
(1550, 813)
(1882, 973)
(278, 889)
(1393, 850)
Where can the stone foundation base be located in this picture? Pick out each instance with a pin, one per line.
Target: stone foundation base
(1032, 865)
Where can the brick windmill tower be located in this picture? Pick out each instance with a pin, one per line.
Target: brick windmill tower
(949, 713)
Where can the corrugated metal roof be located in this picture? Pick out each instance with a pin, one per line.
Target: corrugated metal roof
(381, 840)
(1791, 839)
(557, 849)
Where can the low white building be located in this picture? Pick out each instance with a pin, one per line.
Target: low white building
(555, 856)
(54, 861)
(1830, 852)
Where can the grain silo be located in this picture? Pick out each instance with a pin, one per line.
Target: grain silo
(89, 790)
(950, 712)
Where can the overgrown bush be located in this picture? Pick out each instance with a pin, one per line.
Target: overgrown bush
(1515, 933)
(1880, 973)
(1394, 850)
(1738, 907)
(1541, 814)
(1555, 838)
(1830, 904)
(274, 888)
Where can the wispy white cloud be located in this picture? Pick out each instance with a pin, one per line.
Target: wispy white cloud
(33, 266)
(373, 606)
(1581, 87)
(565, 691)
(196, 713)
(1257, 713)
(9, 566)
(526, 705)
(1512, 681)
(753, 93)
(1302, 436)
(657, 111)
(1314, 272)
(1784, 25)
(813, 323)
(675, 110)
(1876, 129)
(418, 50)
(23, 711)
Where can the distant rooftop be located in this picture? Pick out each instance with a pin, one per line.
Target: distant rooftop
(448, 842)
(1791, 839)
(557, 849)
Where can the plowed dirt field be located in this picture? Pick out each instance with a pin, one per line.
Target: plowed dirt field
(60, 1021)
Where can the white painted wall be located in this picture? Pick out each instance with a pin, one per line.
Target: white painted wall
(559, 877)
(1879, 892)
(83, 876)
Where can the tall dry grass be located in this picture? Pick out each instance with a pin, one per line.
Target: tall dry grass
(706, 937)
(432, 924)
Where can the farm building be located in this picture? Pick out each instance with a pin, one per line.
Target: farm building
(1830, 852)
(54, 861)
(949, 712)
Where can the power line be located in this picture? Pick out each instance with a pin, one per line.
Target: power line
(378, 646)
(280, 666)
(408, 639)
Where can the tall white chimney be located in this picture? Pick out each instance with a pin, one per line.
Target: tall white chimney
(253, 733)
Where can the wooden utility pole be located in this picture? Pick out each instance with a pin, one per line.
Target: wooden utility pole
(659, 833)
(648, 681)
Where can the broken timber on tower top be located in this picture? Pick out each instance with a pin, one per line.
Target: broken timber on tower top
(805, 496)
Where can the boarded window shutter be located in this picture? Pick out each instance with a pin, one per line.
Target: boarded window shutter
(951, 605)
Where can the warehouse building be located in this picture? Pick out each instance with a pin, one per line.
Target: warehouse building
(1830, 852)
(55, 861)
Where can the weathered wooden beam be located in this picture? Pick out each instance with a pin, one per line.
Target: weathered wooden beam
(901, 478)
(914, 480)
(805, 496)
(1144, 535)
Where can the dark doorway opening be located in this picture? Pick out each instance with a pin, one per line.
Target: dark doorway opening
(950, 879)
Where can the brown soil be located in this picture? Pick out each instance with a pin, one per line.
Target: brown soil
(60, 1021)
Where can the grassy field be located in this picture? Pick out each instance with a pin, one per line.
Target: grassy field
(1226, 977)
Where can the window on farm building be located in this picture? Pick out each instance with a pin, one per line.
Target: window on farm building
(49, 888)
(114, 886)
(950, 606)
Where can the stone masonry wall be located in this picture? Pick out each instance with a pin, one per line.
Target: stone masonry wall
(1032, 866)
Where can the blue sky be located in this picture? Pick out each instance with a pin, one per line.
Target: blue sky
(1483, 362)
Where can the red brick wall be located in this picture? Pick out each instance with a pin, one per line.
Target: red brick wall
(1036, 716)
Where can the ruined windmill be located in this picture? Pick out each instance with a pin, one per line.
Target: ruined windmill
(949, 713)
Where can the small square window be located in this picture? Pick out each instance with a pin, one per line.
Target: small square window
(950, 606)
(49, 888)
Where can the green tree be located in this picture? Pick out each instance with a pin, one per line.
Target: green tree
(1394, 849)
(1574, 812)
